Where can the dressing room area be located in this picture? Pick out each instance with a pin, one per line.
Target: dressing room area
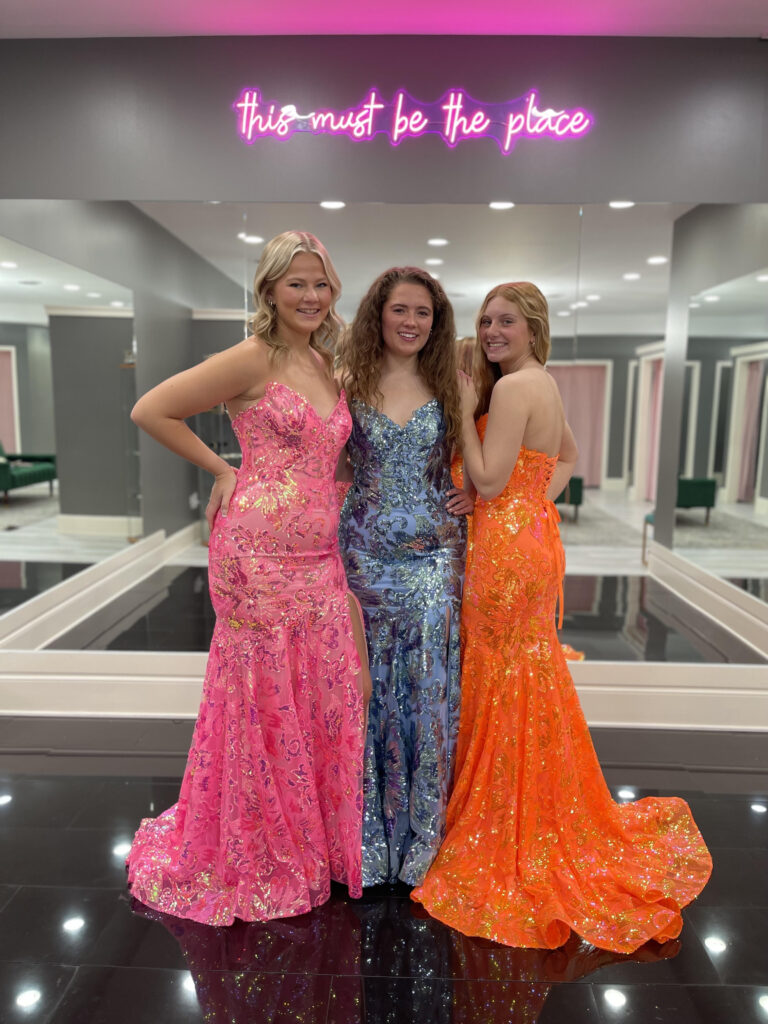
(134, 215)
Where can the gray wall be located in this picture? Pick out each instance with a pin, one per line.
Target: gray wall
(163, 347)
(90, 418)
(33, 374)
(209, 336)
(707, 352)
(675, 119)
(117, 241)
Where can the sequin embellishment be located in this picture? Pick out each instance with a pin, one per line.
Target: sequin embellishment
(270, 808)
(404, 556)
(536, 846)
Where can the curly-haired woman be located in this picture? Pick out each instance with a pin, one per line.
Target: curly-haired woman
(402, 537)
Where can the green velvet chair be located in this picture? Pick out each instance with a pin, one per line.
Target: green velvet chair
(21, 470)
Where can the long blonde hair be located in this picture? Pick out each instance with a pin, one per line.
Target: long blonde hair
(532, 304)
(275, 262)
(363, 347)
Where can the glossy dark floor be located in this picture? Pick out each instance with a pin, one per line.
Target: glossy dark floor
(610, 618)
(74, 950)
(20, 581)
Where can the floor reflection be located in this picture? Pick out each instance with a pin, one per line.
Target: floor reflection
(379, 960)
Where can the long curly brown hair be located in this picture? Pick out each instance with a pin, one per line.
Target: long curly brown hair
(532, 304)
(363, 347)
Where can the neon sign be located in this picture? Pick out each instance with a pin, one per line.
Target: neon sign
(455, 117)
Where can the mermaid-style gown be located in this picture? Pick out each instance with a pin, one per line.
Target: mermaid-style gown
(404, 556)
(270, 807)
(535, 845)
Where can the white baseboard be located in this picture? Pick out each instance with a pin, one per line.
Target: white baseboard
(104, 526)
(155, 685)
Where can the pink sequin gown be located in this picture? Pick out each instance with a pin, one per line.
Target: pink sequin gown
(270, 808)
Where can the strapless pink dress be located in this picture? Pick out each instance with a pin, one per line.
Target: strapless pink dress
(270, 808)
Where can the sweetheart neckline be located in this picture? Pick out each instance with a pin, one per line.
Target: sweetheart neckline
(400, 426)
(297, 394)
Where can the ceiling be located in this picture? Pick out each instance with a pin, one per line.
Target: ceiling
(570, 251)
(87, 18)
(575, 254)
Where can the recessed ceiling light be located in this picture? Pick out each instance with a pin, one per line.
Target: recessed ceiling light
(71, 287)
(656, 261)
(580, 304)
(5, 799)
(249, 239)
(93, 295)
(10, 265)
(593, 298)
(435, 275)
(627, 794)
(437, 241)
(762, 277)
(564, 312)
(73, 924)
(614, 998)
(631, 277)
(122, 849)
(499, 205)
(31, 284)
(759, 808)
(213, 202)
(332, 204)
(117, 304)
(694, 305)
(711, 298)
(621, 204)
(435, 261)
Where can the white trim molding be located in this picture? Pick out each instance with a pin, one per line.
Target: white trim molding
(158, 685)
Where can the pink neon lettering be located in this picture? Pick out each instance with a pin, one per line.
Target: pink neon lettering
(451, 119)
(364, 127)
(515, 125)
(418, 122)
(456, 122)
(253, 122)
(329, 120)
(406, 124)
(580, 123)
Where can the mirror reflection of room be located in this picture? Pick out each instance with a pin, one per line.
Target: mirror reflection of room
(728, 428)
(605, 271)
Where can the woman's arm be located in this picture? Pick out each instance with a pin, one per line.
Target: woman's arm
(490, 463)
(566, 460)
(162, 411)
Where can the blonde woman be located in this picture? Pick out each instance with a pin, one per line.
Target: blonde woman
(402, 536)
(536, 847)
(270, 805)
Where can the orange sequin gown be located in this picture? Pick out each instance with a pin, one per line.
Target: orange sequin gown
(535, 845)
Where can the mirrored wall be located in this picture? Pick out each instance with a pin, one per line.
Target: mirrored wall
(605, 269)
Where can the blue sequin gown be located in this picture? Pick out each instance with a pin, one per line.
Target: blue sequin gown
(404, 557)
